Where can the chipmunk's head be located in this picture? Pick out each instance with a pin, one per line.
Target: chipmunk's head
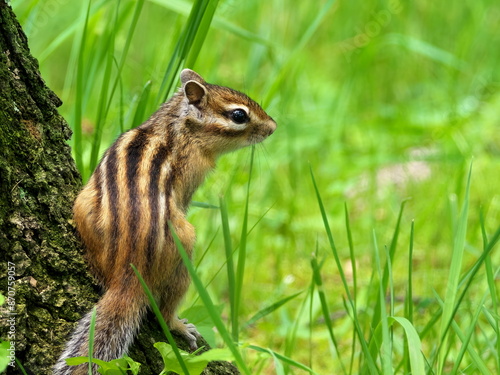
(226, 119)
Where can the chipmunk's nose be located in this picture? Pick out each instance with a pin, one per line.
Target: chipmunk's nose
(272, 126)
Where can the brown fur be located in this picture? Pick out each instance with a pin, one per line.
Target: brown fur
(144, 181)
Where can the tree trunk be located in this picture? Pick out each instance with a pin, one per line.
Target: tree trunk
(42, 272)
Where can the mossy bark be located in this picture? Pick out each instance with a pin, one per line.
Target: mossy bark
(38, 183)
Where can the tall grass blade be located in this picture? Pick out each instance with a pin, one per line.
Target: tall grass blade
(454, 276)
(467, 282)
(202, 32)
(490, 277)
(293, 328)
(409, 290)
(324, 307)
(141, 106)
(270, 309)
(207, 301)
(351, 254)
(331, 241)
(242, 255)
(282, 358)
(70, 30)
(370, 362)
(231, 278)
(198, 23)
(386, 355)
(131, 30)
(385, 276)
(473, 354)
(105, 99)
(417, 359)
(182, 7)
(354, 281)
(466, 340)
(414, 344)
(77, 121)
(91, 337)
(409, 295)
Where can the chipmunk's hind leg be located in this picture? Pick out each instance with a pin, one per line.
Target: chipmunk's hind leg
(169, 302)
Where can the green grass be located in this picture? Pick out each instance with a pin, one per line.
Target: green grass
(385, 102)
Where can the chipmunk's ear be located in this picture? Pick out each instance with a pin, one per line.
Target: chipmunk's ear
(193, 86)
(195, 92)
(190, 75)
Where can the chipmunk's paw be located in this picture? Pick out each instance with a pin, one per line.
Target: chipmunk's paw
(188, 330)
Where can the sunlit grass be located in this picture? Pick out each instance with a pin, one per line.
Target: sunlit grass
(385, 102)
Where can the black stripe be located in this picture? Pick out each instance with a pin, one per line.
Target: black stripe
(133, 157)
(134, 153)
(225, 132)
(98, 187)
(112, 188)
(159, 158)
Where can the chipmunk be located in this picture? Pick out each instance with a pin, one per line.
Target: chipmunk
(144, 181)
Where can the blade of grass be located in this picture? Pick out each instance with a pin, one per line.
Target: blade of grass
(351, 254)
(269, 309)
(466, 340)
(242, 255)
(77, 121)
(474, 356)
(282, 358)
(409, 290)
(91, 337)
(163, 325)
(409, 296)
(372, 368)
(21, 367)
(69, 30)
(417, 359)
(207, 301)
(414, 344)
(312, 288)
(467, 281)
(385, 355)
(198, 22)
(201, 34)
(324, 307)
(141, 106)
(490, 277)
(230, 267)
(385, 276)
(218, 22)
(131, 30)
(103, 108)
(293, 327)
(354, 281)
(454, 275)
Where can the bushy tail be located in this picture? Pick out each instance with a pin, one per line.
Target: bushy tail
(117, 322)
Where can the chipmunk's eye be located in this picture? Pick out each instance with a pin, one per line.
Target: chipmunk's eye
(239, 116)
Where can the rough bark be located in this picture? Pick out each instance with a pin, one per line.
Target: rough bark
(38, 183)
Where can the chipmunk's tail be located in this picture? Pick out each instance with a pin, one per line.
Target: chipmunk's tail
(118, 319)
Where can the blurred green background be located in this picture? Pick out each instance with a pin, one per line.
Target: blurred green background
(382, 100)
